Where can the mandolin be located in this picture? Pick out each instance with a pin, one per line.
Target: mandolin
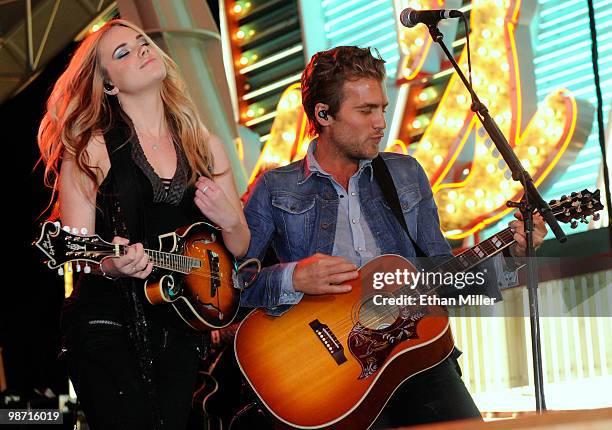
(193, 270)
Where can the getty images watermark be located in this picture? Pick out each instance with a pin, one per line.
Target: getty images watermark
(421, 288)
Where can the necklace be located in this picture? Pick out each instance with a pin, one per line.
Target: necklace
(155, 146)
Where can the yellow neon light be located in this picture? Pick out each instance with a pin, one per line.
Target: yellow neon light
(287, 132)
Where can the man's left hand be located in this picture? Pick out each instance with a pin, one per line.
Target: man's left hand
(519, 249)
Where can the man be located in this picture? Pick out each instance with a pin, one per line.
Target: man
(326, 215)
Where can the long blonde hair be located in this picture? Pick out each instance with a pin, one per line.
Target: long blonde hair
(78, 109)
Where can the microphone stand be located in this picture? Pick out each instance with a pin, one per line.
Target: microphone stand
(531, 200)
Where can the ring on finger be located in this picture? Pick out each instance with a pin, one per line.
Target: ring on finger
(205, 188)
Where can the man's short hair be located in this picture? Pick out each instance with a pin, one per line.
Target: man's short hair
(326, 73)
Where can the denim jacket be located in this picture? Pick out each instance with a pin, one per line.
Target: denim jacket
(294, 210)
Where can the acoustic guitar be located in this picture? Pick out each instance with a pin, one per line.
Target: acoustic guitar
(333, 361)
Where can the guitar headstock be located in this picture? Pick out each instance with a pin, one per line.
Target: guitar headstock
(64, 245)
(577, 206)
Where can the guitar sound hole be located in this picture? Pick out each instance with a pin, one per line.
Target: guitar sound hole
(377, 316)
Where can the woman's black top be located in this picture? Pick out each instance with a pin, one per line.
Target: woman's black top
(133, 194)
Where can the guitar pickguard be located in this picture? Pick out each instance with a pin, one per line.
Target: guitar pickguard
(371, 347)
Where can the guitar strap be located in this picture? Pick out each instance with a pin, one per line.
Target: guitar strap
(386, 184)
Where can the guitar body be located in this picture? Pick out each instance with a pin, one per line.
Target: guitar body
(221, 392)
(333, 361)
(220, 382)
(204, 296)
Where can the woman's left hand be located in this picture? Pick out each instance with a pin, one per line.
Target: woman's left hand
(214, 204)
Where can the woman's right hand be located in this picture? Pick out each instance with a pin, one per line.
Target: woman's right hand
(134, 263)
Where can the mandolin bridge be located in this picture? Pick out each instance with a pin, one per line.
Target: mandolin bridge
(329, 341)
(215, 277)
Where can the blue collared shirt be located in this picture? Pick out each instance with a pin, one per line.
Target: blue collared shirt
(354, 240)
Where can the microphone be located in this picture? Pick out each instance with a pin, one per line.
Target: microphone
(410, 17)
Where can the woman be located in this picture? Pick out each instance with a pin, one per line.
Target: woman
(127, 157)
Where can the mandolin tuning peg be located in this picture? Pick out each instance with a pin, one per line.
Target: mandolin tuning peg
(552, 202)
(84, 231)
(75, 230)
(86, 269)
(57, 224)
(60, 271)
(573, 194)
(574, 224)
(596, 217)
(66, 228)
(563, 198)
(69, 267)
(78, 267)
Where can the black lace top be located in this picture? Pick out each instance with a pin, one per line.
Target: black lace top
(159, 206)
(167, 190)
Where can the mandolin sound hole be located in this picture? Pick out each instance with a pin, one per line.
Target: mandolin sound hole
(377, 316)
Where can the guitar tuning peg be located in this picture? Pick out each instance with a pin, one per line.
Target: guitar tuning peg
(84, 231)
(584, 219)
(57, 224)
(86, 269)
(78, 267)
(75, 230)
(596, 217)
(563, 198)
(495, 153)
(573, 194)
(552, 202)
(508, 174)
(60, 271)
(574, 224)
(66, 228)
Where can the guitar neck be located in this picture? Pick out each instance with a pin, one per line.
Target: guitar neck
(478, 253)
(165, 260)
(173, 262)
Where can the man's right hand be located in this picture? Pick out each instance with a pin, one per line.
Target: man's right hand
(323, 274)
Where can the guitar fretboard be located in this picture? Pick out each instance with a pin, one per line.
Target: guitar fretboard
(475, 255)
(471, 257)
(173, 262)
